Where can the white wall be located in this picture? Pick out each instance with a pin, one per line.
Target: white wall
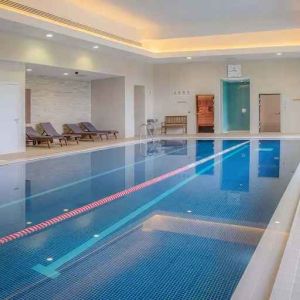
(12, 184)
(44, 52)
(14, 73)
(59, 101)
(108, 104)
(266, 76)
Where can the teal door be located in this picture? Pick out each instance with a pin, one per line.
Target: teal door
(236, 105)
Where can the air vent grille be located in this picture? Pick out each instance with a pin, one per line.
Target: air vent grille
(20, 8)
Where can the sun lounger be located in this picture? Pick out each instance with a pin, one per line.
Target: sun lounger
(35, 138)
(75, 129)
(88, 126)
(49, 130)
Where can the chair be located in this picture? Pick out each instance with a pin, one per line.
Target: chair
(75, 129)
(88, 126)
(49, 130)
(33, 136)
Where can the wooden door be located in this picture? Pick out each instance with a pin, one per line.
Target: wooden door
(269, 113)
(28, 106)
(205, 113)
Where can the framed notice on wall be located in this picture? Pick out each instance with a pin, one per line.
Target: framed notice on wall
(234, 71)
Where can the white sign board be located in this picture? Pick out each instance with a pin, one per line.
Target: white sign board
(234, 71)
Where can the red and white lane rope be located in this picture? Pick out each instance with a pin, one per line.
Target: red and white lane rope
(105, 200)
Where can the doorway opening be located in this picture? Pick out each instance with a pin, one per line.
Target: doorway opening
(269, 113)
(205, 113)
(139, 109)
(236, 105)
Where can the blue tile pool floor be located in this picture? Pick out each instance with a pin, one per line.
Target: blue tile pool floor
(190, 251)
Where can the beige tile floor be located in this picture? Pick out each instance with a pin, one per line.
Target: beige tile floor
(41, 151)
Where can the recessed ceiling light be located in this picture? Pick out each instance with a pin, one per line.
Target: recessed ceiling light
(29, 70)
(49, 35)
(189, 57)
(96, 47)
(278, 53)
(66, 74)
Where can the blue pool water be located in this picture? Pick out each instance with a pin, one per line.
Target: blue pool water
(172, 239)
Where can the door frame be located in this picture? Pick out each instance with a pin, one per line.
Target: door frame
(209, 95)
(221, 111)
(139, 90)
(280, 105)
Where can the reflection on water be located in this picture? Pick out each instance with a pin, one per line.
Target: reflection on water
(155, 147)
(201, 225)
(244, 173)
(181, 144)
(269, 159)
(205, 149)
(235, 173)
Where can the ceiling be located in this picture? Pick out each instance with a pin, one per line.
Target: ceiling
(163, 30)
(64, 39)
(185, 18)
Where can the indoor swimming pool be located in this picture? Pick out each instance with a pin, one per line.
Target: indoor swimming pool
(168, 219)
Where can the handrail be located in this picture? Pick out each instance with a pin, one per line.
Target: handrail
(147, 148)
(148, 130)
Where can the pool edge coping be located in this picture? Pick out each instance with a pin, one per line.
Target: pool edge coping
(137, 141)
(288, 275)
(269, 260)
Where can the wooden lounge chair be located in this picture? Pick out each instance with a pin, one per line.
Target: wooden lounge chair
(88, 126)
(49, 130)
(32, 136)
(75, 129)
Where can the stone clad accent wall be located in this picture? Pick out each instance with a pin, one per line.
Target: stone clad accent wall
(59, 100)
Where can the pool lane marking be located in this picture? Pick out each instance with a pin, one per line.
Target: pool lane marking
(105, 200)
(88, 178)
(50, 270)
(265, 149)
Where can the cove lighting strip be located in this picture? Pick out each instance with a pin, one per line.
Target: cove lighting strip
(42, 15)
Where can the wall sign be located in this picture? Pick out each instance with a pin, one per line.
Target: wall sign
(234, 71)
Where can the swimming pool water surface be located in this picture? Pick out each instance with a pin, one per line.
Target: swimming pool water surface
(168, 219)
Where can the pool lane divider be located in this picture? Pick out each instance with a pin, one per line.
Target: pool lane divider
(90, 178)
(51, 270)
(86, 208)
